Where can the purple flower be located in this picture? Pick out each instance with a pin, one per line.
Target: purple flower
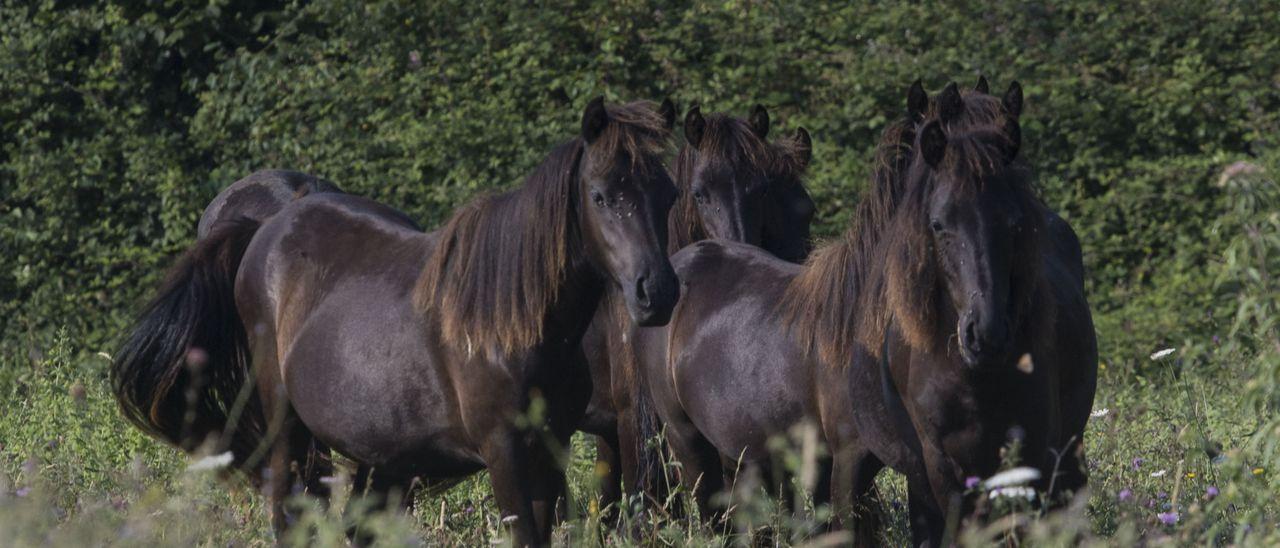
(1216, 340)
(23, 491)
(1137, 462)
(1125, 495)
(972, 481)
(1168, 518)
(1211, 492)
(415, 59)
(1162, 495)
(1151, 503)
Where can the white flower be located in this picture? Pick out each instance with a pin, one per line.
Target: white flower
(510, 519)
(1158, 473)
(211, 462)
(1100, 413)
(1013, 492)
(104, 356)
(1015, 476)
(1162, 353)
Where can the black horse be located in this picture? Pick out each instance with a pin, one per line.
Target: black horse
(734, 185)
(950, 234)
(960, 320)
(416, 355)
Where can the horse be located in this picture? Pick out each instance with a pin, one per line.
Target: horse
(734, 184)
(955, 307)
(757, 345)
(260, 195)
(419, 356)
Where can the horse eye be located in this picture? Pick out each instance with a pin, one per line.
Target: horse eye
(935, 225)
(597, 197)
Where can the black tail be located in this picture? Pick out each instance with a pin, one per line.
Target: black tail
(183, 374)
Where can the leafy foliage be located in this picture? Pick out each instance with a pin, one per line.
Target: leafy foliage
(1152, 127)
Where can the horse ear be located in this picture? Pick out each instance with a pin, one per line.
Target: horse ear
(933, 143)
(594, 119)
(804, 147)
(1013, 99)
(760, 121)
(982, 86)
(950, 105)
(694, 125)
(668, 112)
(1013, 131)
(917, 101)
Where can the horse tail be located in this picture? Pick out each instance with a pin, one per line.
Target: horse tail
(183, 373)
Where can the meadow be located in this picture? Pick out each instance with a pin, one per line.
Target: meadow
(1154, 130)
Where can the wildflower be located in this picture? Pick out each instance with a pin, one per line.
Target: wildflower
(510, 519)
(1025, 364)
(1013, 492)
(1258, 471)
(1162, 353)
(23, 491)
(1125, 495)
(1211, 492)
(415, 59)
(211, 462)
(972, 481)
(78, 392)
(1100, 413)
(1168, 518)
(196, 358)
(1137, 462)
(1162, 495)
(1191, 475)
(1159, 473)
(1014, 476)
(329, 480)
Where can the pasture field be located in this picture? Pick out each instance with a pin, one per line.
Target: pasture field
(1153, 129)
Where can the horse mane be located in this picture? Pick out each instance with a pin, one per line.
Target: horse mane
(730, 140)
(881, 269)
(502, 259)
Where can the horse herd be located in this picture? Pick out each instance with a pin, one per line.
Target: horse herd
(948, 320)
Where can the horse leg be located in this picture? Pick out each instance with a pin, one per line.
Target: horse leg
(295, 462)
(700, 469)
(854, 496)
(609, 472)
(375, 491)
(507, 458)
(928, 523)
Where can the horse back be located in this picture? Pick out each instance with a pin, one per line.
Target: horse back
(260, 195)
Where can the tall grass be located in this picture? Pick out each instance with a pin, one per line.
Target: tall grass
(1183, 449)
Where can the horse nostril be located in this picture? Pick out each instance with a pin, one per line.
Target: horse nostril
(971, 336)
(642, 296)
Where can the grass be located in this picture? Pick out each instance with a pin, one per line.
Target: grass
(73, 472)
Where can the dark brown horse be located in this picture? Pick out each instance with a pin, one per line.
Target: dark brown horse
(959, 315)
(734, 185)
(950, 255)
(416, 355)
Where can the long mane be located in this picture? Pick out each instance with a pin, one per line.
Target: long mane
(503, 259)
(730, 140)
(881, 269)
